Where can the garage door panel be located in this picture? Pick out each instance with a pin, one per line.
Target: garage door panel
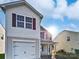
(24, 50)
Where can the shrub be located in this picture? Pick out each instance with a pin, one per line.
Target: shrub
(77, 51)
(61, 54)
(2, 56)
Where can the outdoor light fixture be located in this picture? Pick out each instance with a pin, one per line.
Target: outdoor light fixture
(2, 37)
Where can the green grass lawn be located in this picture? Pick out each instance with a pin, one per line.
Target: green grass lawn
(2, 56)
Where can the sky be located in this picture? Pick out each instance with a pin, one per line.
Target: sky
(58, 15)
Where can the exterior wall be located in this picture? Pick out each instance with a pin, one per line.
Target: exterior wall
(2, 41)
(68, 46)
(76, 41)
(22, 32)
(59, 39)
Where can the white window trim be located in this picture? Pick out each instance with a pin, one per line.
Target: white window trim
(24, 22)
(28, 23)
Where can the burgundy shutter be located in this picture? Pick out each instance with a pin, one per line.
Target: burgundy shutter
(13, 20)
(34, 23)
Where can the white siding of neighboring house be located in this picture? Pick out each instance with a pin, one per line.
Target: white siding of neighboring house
(2, 41)
(21, 33)
(62, 42)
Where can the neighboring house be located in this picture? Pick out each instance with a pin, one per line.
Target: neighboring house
(68, 41)
(46, 42)
(22, 26)
(2, 40)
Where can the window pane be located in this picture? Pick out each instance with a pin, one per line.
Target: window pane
(28, 25)
(28, 19)
(20, 24)
(42, 35)
(68, 38)
(20, 18)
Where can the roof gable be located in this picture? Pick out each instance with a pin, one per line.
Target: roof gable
(18, 3)
(64, 31)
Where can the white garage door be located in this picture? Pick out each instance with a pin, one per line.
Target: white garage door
(23, 50)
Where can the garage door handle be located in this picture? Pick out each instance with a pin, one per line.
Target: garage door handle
(24, 52)
(32, 54)
(15, 55)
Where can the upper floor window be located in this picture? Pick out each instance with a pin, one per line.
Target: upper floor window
(23, 21)
(45, 35)
(42, 35)
(68, 38)
(20, 21)
(29, 22)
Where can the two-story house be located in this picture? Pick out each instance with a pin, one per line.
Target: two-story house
(46, 42)
(22, 26)
(68, 41)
